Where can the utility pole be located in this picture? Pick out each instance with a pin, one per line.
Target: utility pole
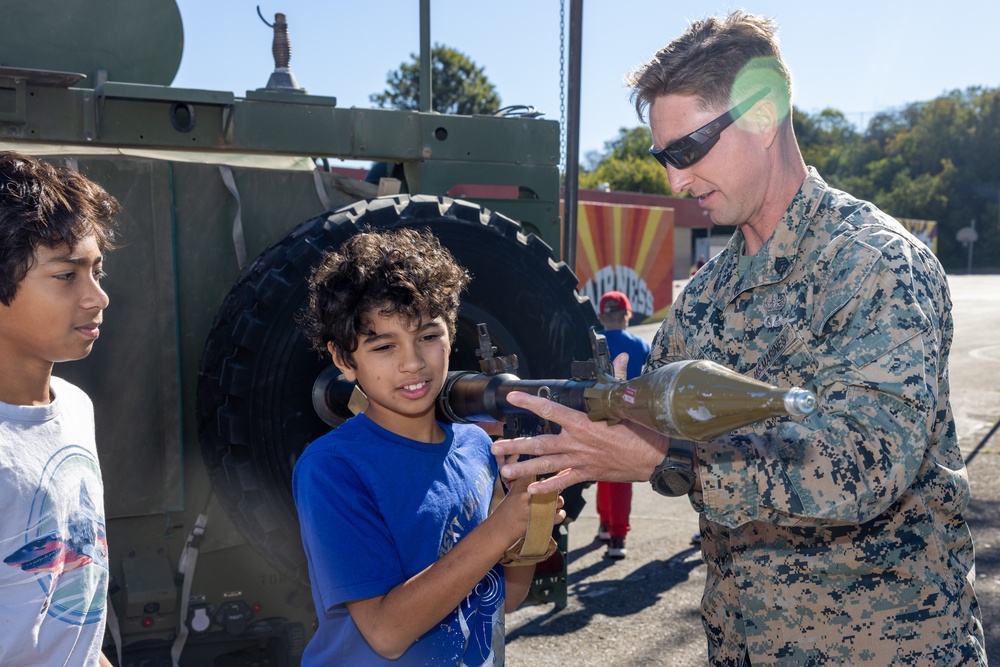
(967, 236)
(572, 134)
(972, 243)
(426, 67)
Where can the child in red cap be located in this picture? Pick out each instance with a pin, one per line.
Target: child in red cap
(614, 499)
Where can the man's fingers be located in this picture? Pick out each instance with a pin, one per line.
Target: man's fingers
(549, 453)
(514, 469)
(542, 407)
(532, 446)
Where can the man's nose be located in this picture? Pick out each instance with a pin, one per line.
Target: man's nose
(679, 179)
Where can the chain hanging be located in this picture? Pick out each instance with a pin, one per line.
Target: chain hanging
(562, 86)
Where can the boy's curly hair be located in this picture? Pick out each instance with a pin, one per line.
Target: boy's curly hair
(46, 205)
(391, 272)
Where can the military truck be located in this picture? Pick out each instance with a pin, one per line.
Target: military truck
(202, 380)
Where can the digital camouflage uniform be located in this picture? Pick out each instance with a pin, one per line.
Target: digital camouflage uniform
(837, 538)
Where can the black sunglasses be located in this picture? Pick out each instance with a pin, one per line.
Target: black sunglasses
(687, 150)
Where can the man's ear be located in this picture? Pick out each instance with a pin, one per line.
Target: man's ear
(339, 362)
(764, 120)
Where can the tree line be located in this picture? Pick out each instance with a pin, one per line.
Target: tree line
(936, 160)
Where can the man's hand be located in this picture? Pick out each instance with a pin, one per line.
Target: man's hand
(584, 450)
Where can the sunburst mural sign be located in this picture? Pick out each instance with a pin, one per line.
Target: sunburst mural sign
(629, 249)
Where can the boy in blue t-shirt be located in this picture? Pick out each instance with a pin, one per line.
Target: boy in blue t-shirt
(403, 556)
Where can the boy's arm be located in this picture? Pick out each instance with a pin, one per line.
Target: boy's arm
(517, 581)
(102, 660)
(392, 622)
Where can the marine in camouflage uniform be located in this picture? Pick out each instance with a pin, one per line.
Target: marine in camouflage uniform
(837, 538)
(833, 539)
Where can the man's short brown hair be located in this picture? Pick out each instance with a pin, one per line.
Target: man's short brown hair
(719, 60)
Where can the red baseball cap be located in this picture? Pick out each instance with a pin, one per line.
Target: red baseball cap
(613, 302)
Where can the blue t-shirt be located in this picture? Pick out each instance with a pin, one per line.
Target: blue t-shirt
(377, 508)
(620, 340)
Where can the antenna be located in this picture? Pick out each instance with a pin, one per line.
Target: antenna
(282, 80)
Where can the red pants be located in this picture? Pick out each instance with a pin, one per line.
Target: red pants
(614, 502)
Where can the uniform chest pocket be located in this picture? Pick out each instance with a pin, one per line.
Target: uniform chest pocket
(787, 361)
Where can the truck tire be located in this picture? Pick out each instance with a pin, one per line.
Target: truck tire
(254, 409)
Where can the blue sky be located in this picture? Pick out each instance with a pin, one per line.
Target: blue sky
(859, 57)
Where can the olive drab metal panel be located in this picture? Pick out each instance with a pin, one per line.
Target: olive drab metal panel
(136, 41)
(201, 381)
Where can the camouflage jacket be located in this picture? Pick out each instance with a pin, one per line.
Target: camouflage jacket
(836, 538)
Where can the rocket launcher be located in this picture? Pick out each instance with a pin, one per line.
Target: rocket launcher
(697, 400)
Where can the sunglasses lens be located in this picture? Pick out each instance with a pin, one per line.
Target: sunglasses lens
(660, 155)
(684, 152)
(669, 157)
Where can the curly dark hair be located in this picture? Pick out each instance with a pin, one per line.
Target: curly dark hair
(46, 205)
(389, 272)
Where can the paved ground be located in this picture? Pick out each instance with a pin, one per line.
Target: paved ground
(644, 610)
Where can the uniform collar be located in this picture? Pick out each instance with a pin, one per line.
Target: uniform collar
(776, 258)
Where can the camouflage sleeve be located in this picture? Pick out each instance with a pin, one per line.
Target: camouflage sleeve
(668, 343)
(871, 345)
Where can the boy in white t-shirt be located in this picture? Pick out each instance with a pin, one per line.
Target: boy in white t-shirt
(55, 226)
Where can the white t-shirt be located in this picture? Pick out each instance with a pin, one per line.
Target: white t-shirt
(54, 576)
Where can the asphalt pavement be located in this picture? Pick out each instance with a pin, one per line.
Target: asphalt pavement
(644, 610)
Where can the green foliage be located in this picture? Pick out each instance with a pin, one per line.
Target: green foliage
(628, 174)
(457, 85)
(626, 165)
(822, 137)
(936, 160)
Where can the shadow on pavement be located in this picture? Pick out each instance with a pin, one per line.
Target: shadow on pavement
(983, 516)
(639, 590)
